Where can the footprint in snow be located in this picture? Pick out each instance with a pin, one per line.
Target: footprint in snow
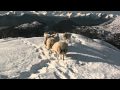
(39, 57)
(60, 75)
(43, 53)
(37, 50)
(41, 48)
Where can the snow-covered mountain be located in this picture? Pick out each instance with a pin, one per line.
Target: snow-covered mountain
(58, 13)
(12, 18)
(27, 58)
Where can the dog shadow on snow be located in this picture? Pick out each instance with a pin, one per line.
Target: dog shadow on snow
(34, 69)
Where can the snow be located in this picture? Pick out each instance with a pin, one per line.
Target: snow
(105, 43)
(27, 58)
(69, 14)
(114, 26)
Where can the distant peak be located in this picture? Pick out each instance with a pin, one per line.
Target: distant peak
(68, 14)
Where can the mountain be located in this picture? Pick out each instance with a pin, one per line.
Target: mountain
(53, 21)
(112, 29)
(10, 18)
(100, 25)
(33, 29)
(27, 58)
(64, 26)
(59, 13)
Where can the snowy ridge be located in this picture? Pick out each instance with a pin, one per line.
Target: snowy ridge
(59, 13)
(17, 13)
(86, 59)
